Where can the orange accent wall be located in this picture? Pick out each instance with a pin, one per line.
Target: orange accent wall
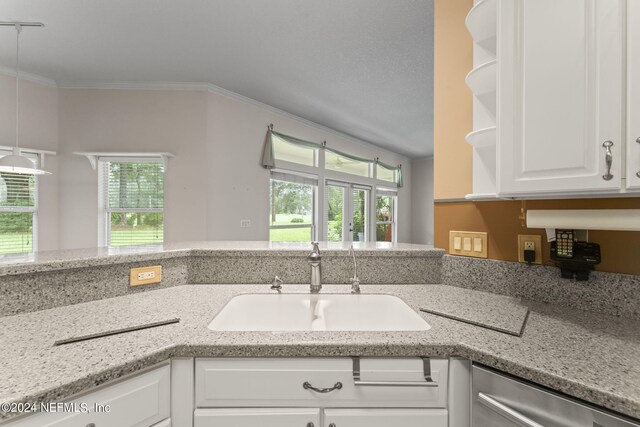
(453, 58)
(453, 163)
(620, 249)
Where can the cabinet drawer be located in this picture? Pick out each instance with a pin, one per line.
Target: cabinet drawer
(252, 417)
(140, 401)
(279, 382)
(386, 417)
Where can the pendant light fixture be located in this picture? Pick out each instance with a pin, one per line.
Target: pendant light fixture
(16, 162)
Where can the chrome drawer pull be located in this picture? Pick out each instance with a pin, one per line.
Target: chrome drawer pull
(506, 411)
(307, 386)
(608, 158)
(428, 381)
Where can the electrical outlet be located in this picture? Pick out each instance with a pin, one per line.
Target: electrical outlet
(145, 275)
(530, 242)
(245, 223)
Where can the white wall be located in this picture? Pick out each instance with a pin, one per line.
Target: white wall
(132, 120)
(38, 129)
(422, 201)
(214, 181)
(239, 186)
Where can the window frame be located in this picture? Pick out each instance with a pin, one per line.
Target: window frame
(104, 212)
(323, 175)
(386, 192)
(26, 209)
(314, 200)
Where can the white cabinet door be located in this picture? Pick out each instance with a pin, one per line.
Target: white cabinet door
(385, 417)
(252, 417)
(560, 96)
(139, 401)
(633, 95)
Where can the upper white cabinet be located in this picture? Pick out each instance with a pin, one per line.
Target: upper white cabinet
(560, 99)
(633, 95)
(563, 76)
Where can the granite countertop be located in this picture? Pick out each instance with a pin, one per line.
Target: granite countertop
(586, 355)
(91, 257)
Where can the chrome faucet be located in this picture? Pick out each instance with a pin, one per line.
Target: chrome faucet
(314, 260)
(355, 281)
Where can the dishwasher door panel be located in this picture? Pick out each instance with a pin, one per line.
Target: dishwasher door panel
(501, 401)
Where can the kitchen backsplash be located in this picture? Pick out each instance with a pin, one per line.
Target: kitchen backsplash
(607, 293)
(38, 290)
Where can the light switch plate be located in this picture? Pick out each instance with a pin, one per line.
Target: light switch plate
(537, 241)
(145, 275)
(468, 243)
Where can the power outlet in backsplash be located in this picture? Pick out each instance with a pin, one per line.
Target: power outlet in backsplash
(145, 275)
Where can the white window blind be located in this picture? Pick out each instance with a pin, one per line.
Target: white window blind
(18, 207)
(134, 202)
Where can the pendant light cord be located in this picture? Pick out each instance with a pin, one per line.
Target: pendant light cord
(18, 30)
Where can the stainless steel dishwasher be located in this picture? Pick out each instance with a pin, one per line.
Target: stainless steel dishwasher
(502, 401)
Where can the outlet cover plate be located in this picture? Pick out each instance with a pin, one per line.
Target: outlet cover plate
(536, 239)
(478, 248)
(134, 276)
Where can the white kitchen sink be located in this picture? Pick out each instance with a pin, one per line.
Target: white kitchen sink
(317, 312)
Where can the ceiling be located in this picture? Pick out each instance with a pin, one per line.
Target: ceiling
(362, 67)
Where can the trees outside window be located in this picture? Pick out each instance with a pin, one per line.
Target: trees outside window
(291, 217)
(134, 202)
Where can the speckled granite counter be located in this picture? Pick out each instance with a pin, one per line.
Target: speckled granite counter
(589, 356)
(94, 257)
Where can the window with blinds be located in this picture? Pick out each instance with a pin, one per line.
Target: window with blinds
(133, 202)
(18, 208)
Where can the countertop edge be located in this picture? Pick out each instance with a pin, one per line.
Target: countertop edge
(10, 269)
(445, 350)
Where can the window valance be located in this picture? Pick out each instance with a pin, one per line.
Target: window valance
(269, 160)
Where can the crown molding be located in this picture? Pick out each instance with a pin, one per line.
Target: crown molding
(191, 86)
(34, 78)
(186, 86)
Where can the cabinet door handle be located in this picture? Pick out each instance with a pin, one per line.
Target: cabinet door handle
(608, 158)
(428, 381)
(307, 386)
(506, 411)
(638, 141)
